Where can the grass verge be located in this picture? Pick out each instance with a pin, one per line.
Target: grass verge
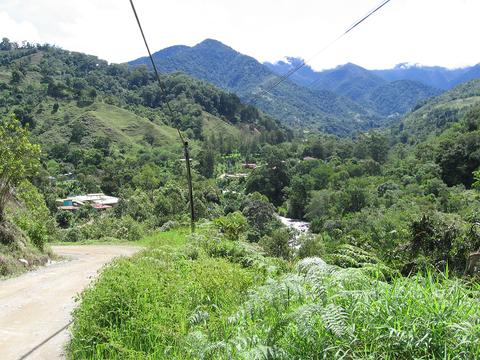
(205, 297)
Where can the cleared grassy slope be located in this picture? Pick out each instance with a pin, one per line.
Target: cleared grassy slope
(439, 113)
(122, 126)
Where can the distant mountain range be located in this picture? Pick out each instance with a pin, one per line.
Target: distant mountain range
(294, 104)
(433, 76)
(340, 101)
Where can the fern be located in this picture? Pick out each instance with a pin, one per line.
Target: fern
(198, 317)
(335, 319)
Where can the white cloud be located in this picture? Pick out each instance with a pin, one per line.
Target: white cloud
(431, 32)
(17, 31)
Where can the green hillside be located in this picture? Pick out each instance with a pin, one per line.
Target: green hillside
(295, 105)
(388, 269)
(439, 113)
(382, 97)
(56, 92)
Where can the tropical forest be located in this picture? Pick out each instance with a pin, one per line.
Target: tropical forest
(257, 216)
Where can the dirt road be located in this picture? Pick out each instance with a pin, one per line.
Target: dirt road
(35, 307)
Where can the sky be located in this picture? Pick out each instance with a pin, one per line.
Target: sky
(427, 32)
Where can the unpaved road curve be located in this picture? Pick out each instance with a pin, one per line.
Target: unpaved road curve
(35, 307)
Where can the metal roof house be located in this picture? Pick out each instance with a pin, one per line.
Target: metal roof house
(97, 201)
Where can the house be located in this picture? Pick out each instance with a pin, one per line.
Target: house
(251, 166)
(233, 176)
(97, 201)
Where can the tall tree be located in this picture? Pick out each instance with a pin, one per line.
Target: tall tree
(19, 158)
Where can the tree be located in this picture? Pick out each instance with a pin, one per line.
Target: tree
(19, 158)
(278, 244)
(259, 212)
(458, 158)
(298, 196)
(270, 180)
(5, 45)
(17, 77)
(206, 162)
(232, 225)
(377, 146)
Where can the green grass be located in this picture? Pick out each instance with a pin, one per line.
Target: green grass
(121, 126)
(199, 298)
(130, 127)
(144, 307)
(214, 125)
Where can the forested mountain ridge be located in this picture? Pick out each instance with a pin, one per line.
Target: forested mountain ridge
(369, 90)
(338, 101)
(37, 77)
(430, 119)
(436, 77)
(219, 64)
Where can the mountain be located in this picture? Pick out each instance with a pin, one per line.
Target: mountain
(397, 97)
(471, 73)
(432, 118)
(305, 76)
(219, 64)
(369, 90)
(73, 102)
(435, 76)
(349, 80)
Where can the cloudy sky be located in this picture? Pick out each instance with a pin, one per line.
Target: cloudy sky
(428, 32)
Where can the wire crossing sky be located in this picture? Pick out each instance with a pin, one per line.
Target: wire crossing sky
(429, 32)
(310, 60)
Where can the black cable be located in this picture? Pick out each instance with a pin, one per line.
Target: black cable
(155, 70)
(184, 142)
(303, 63)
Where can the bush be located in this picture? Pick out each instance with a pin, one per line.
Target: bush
(107, 225)
(311, 246)
(277, 244)
(169, 225)
(33, 217)
(323, 312)
(231, 225)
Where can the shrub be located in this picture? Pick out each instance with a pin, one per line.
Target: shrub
(311, 246)
(277, 244)
(231, 225)
(323, 312)
(33, 216)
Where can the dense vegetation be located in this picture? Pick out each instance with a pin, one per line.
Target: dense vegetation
(296, 105)
(373, 92)
(386, 271)
(207, 297)
(104, 128)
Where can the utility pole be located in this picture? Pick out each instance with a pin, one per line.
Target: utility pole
(172, 118)
(190, 186)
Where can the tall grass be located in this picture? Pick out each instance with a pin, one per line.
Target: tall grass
(167, 304)
(324, 312)
(143, 307)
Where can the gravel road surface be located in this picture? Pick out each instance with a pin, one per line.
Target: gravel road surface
(35, 307)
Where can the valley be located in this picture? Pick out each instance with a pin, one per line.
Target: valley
(336, 216)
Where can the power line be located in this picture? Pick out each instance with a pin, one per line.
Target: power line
(172, 118)
(304, 62)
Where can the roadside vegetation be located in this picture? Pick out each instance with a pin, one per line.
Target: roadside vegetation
(388, 271)
(207, 297)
